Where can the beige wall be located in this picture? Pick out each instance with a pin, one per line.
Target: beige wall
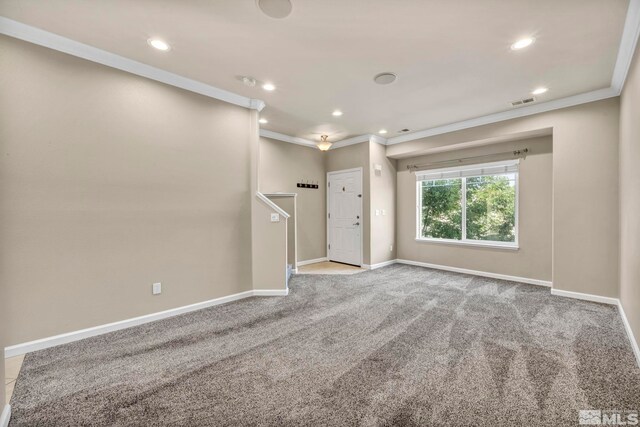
(108, 183)
(269, 249)
(288, 204)
(533, 258)
(383, 200)
(630, 196)
(349, 157)
(282, 166)
(585, 188)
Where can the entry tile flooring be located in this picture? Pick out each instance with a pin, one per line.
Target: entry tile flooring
(329, 267)
(12, 367)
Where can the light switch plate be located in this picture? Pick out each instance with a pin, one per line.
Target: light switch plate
(156, 288)
(275, 217)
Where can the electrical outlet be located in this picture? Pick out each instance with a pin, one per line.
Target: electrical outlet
(275, 217)
(384, 211)
(390, 248)
(377, 212)
(156, 288)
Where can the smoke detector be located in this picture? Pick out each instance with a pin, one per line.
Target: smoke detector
(385, 78)
(277, 9)
(249, 81)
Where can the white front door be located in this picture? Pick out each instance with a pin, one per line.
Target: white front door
(344, 216)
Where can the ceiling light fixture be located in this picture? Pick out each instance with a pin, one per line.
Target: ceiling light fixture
(263, 121)
(385, 78)
(324, 145)
(382, 131)
(539, 91)
(276, 9)
(268, 86)
(522, 43)
(159, 44)
(336, 113)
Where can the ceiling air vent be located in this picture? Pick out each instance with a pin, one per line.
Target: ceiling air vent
(523, 101)
(405, 130)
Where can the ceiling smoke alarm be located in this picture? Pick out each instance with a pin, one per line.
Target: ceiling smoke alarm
(277, 9)
(385, 78)
(249, 81)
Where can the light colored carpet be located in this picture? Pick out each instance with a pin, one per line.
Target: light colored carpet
(400, 345)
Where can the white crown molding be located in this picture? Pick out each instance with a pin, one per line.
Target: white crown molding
(529, 110)
(350, 141)
(49, 40)
(627, 47)
(286, 138)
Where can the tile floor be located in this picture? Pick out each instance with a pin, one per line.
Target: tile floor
(11, 370)
(329, 267)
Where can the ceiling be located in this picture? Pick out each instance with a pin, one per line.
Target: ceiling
(452, 57)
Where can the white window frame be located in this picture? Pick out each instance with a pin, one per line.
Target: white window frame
(515, 245)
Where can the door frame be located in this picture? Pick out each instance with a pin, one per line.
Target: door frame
(359, 169)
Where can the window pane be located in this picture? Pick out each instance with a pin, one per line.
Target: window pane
(441, 209)
(491, 205)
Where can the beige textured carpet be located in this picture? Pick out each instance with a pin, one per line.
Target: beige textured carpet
(401, 345)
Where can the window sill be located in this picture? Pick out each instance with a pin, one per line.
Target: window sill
(491, 245)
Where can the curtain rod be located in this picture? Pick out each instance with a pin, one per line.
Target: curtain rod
(516, 153)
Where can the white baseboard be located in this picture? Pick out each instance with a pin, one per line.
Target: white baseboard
(311, 261)
(6, 416)
(270, 292)
(632, 338)
(477, 273)
(18, 349)
(585, 297)
(379, 265)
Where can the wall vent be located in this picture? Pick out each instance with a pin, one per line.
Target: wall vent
(523, 101)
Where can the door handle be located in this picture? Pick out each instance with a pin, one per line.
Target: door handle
(357, 223)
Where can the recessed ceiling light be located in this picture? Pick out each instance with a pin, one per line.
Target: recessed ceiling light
(263, 121)
(382, 131)
(539, 91)
(385, 78)
(522, 43)
(268, 86)
(337, 113)
(277, 9)
(159, 44)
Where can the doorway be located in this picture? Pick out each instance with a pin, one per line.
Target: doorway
(344, 216)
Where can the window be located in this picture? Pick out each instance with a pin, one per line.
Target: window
(474, 204)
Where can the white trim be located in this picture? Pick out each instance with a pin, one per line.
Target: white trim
(537, 282)
(270, 292)
(18, 349)
(49, 40)
(585, 297)
(286, 138)
(351, 141)
(627, 47)
(6, 415)
(280, 194)
(528, 110)
(361, 170)
(378, 139)
(472, 243)
(271, 205)
(312, 261)
(379, 265)
(632, 338)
